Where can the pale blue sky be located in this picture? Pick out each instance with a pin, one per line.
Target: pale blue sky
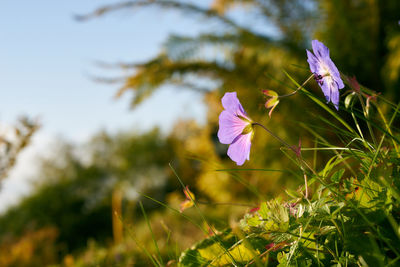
(46, 58)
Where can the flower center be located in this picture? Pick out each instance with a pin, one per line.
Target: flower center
(248, 129)
(322, 73)
(324, 70)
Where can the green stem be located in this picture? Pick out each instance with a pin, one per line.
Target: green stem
(275, 136)
(224, 203)
(366, 116)
(337, 194)
(298, 88)
(291, 148)
(387, 125)
(382, 139)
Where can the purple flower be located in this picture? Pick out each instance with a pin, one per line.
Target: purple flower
(235, 129)
(326, 73)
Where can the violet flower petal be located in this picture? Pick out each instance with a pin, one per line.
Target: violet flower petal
(231, 103)
(230, 126)
(319, 49)
(335, 98)
(312, 61)
(326, 90)
(335, 73)
(232, 123)
(239, 150)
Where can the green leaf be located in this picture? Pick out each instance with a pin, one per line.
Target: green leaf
(282, 259)
(337, 176)
(214, 250)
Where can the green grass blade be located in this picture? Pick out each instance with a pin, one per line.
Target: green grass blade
(152, 233)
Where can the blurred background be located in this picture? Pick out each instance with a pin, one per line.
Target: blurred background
(101, 101)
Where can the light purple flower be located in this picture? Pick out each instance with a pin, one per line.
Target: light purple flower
(235, 129)
(326, 73)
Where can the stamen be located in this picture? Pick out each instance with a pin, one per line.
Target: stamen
(317, 77)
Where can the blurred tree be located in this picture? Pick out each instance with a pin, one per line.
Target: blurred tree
(75, 186)
(13, 141)
(250, 56)
(34, 248)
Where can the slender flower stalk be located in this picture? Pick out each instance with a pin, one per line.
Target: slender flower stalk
(298, 88)
(365, 111)
(273, 97)
(275, 136)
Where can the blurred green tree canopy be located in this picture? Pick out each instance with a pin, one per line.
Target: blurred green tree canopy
(74, 189)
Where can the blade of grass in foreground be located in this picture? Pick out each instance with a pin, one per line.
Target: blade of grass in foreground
(388, 128)
(177, 212)
(152, 233)
(238, 178)
(260, 170)
(318, 136)
(382, 139)
(203, 218)
(254, 169)
(145, 251)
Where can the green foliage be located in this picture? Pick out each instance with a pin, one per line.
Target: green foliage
(223, 249)
(352, 216)
(74, 193)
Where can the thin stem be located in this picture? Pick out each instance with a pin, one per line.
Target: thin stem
(275, 136)
(382, 139)
(204, 219)
(306, 185)
(387, 126)
(297, 152)
(224, 203)
(298, 88)
(371, 132)
(317, 176)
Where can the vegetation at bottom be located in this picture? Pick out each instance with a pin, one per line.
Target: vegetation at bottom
(331, 199)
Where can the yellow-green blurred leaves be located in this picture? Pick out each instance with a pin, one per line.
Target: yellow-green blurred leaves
(223, 249)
